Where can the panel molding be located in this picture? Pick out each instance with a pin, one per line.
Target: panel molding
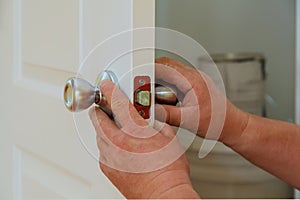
(17, 39)
(17, 174)
(30, 75)
(81, 33)
(46, 174)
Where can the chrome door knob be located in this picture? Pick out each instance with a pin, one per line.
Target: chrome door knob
(165, 95)
(80, 94)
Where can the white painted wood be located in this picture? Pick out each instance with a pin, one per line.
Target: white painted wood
(42, 44)
(297, 86)
(144, 21)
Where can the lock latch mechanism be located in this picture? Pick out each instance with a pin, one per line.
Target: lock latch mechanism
(142, 95)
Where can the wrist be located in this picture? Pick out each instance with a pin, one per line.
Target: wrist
(183, 191)
(171, 184)
(235, 124)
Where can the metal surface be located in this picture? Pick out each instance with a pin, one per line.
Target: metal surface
(143, 98)
(106, 75)
(80, 94)
(165, 95)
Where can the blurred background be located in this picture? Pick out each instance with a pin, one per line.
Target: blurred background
(235, 26)
(265, 31)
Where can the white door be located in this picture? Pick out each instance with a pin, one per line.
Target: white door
(42, 43)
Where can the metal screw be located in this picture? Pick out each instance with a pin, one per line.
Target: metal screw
(142, 82)
(142, 112)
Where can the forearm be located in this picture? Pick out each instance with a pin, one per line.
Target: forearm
(272, 145)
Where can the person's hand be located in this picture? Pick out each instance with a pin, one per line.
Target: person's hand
(130, 156)
(197, 94)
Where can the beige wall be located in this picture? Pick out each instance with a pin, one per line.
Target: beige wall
(220, 26)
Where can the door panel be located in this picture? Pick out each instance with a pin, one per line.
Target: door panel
(35, 184)
(42, 44)
(50, 29)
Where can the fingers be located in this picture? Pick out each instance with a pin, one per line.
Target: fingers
(176, 73)
(110, 139)
(178, 116)
(169, 114)
(122, 109)
(103, 124)
(165, 129)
